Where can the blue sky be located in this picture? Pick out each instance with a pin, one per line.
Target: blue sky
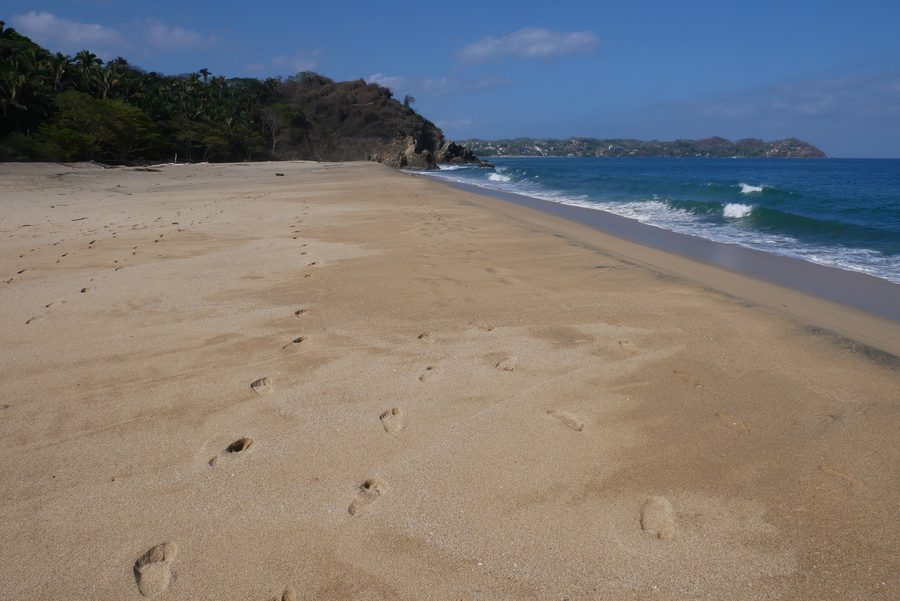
(826, 71)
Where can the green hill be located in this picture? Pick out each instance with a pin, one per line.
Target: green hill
(55, 107)
(593, 147)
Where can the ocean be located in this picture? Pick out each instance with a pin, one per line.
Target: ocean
(842, 213)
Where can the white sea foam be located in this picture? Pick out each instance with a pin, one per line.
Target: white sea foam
(736, 211)
(748, 189)
(654, 211)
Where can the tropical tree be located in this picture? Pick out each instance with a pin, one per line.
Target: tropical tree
(87, 64)
(115, 129)
(61, 72)
(106, 82)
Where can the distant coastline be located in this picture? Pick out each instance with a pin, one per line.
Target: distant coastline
(715, 147)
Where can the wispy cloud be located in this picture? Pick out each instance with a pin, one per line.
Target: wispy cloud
(69, 36)
(298, 62)
(397, 83)
(870, 96)
(458, 125)
(175, 38)
(528, 43)
(857, 115)
(443, 86)
(64, 35)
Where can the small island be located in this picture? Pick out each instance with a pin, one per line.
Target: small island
(790, 148)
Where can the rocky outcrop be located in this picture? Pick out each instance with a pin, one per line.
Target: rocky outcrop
(355, 120)
(410, 153)
(403, 153)
(452, 153)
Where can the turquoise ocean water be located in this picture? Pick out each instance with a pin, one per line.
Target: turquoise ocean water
(843, 213)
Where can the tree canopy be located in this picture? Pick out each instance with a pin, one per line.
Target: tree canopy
(66, 108)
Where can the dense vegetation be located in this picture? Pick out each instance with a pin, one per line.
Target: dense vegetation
(60, 108)
(592, 147)
(55, 107)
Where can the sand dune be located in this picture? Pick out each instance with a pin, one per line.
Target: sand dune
(351, 383)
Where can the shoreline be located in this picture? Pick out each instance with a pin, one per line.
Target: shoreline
(257, 380)
(809, 291)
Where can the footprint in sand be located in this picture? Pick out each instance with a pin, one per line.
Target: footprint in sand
(152, 570)
(34, 319)
(733, 422)
(238, 448)
(431, 372)
(570, 420)
(301, 312)
(392, 420)
(262, 386)
(688, 378)
(86, 290)
(369, 492)
(296, 342)
(427, 338)
(54, 304)
(853, 484)
(289, 594)
(508, 364)
(628, 346)
(658, 518)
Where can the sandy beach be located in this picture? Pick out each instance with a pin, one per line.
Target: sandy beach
(337, 381)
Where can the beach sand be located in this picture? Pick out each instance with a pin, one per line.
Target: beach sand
(346, 382)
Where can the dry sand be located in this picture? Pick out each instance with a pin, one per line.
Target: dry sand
(349, 383)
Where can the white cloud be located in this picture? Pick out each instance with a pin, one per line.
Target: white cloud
(392, 82)
(172, 38)
(528, 43)
(298, 62)
(457, 125)
(443, 86)
(68, 36)
(870, 96)
(857, 115)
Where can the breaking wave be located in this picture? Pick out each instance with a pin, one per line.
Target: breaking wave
(736, 211)
(748, 189)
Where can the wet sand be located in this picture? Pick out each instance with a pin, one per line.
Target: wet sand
(347, 382)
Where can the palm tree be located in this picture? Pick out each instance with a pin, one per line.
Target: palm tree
(7, 33)
(61, 72)
(24, 94)
(87, 63)
(12, 84)
(205, 74)
(118, 65)
(106, 82)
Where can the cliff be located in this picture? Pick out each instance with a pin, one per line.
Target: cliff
(355, 120)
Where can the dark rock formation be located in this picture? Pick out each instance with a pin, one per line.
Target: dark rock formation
(355, 120)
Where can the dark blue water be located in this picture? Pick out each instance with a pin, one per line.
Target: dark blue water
(839, 212)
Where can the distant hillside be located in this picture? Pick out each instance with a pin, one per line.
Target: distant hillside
(789, 148)
(355, 120)
(55, 107)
